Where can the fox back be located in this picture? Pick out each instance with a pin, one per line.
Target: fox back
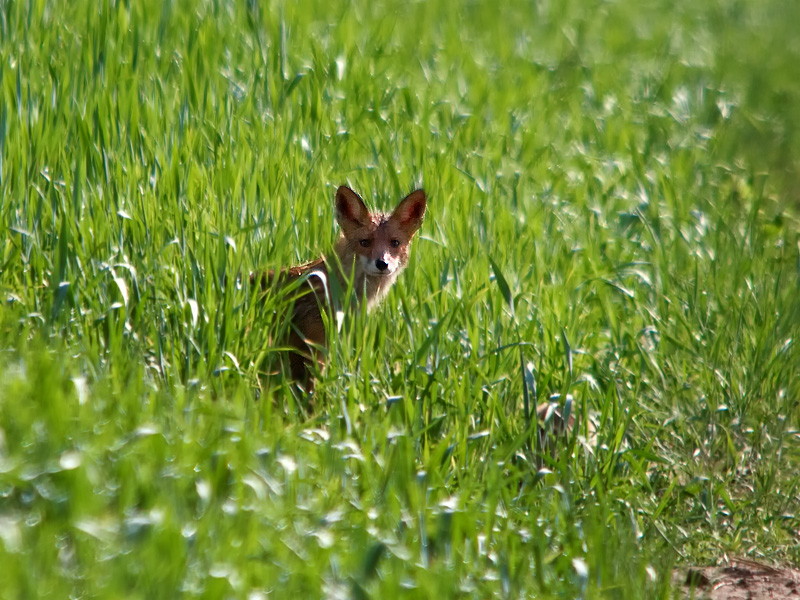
(372, 251)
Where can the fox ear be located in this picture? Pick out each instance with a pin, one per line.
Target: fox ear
(410, 212)
(351, 212)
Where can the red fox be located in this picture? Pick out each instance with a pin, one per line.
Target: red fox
(372, 250)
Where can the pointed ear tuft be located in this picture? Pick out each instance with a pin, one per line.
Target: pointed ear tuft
(351, 212)
(410, 212)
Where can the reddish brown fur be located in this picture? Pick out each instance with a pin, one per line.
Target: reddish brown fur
(373, 249)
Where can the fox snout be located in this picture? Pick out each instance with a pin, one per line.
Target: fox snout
(384, 264)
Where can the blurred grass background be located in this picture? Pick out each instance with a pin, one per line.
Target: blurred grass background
(612, 223)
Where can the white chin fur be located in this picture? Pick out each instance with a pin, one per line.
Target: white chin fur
(376, 273)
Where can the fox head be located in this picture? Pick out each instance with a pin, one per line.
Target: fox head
(378, 242)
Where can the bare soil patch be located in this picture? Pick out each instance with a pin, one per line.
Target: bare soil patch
(741, 580)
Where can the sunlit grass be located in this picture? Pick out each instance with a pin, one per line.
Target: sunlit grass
(612, 220)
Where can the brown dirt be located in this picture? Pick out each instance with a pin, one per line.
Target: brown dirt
(741, 580)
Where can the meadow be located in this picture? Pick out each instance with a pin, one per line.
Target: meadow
(612, 224)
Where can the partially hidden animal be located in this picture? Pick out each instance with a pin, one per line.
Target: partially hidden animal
(372, 250)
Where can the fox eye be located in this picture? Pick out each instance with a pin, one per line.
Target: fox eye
(395, 243)
(364, 243)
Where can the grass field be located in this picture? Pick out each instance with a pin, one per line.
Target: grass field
(613, 223)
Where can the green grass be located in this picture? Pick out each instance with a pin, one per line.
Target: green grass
(612, 215)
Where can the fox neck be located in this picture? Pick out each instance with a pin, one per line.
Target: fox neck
(369, 289)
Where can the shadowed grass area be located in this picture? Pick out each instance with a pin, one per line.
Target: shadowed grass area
(612, 224)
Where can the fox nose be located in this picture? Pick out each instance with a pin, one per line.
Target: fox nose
(381, 264)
